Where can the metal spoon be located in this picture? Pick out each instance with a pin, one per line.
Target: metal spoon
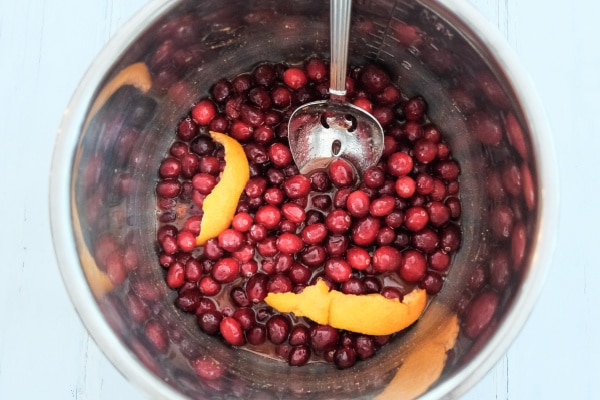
(321, 131)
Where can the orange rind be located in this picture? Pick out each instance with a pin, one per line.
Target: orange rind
(221, 203)
(370, 314)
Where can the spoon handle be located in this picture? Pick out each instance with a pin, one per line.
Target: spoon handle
(339, 14)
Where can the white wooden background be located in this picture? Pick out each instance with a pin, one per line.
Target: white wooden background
(45, 353)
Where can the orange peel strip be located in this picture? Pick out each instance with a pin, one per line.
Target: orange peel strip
(423, 366)
(370, 314)
(220, 205)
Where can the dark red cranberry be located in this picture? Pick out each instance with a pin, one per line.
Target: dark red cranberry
(256, 287)
(374, 79)
(323, 337)
(278, 328)
(450, 237)
(299, 355)
(313, 256)
(432, 282)
(344, 357)
(414, 109)
(256, 335)
(353, 286)
(209, 321)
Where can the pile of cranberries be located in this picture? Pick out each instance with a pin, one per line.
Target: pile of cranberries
(388, 231)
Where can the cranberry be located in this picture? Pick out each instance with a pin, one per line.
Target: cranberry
(232, 331)
(338, 221)
(323, 337)
(278, 328)
(432, 282)
(281, 97)
(364, 346)
(365, 230)
(399, 164)
(358, 258)
(358, 204)
(413, 266)
(414, 109)
(319, 181)
(289, 243)
(338, 270)
(374, 177)
(168, 188)
(426, 240)
(225, 270)
(280, 155)
(439, 260)
(336, 245)
(170, 167)
(296, 186)
(295, 78)
(450, 237)
(416, 218)
(386, 259)
(374, 79)
(313, 256)
(256, 288)
(344, 357)
(209, 321)
(269, 216)
(341, 173)
(203, 112)
(382, 206)
(299, 355)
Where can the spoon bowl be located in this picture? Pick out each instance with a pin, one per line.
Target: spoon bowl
(321, 131)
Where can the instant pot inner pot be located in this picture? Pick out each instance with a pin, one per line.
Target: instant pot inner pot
(193, 45)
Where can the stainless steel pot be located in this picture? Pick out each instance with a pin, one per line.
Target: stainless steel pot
(111, 142)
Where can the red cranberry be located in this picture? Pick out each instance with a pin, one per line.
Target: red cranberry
(382, 206)
(364, 346)
(413, 266)
(225, 270)
(386, 259)
(314, 234)
(336, 245)
(416, 218)
(296, 186)
(232, 331)
(374, 177)
(439, 260)
(358, 204)
(399, 164)
(269, 216)
(425, 240)
(170, 167)
(295, 78)
(341, 173)
(299, 274)
(338, 221)
(289, 243)
(319, 181)
(203, 112)
(450, 237)
(358, 258)
(208, 286)
(338, 270)
(323, 337)
(364, 231)
(169, 188)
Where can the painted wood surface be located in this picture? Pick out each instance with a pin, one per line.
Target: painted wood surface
(45, 353)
